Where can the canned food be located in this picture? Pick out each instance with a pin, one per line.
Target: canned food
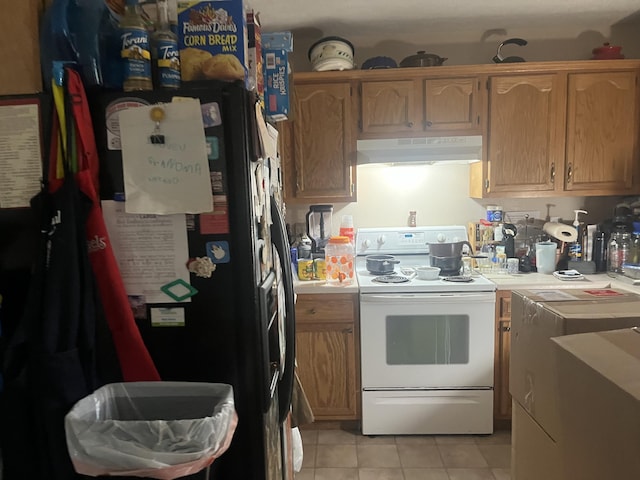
(320, 269)
(494, 213)
(305, 269)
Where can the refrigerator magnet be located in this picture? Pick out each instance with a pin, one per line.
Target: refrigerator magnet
(179, 290)
(157, 115)
(203, 267)
(218, 252)
(167, 317)
(213, 150)
(210, 114)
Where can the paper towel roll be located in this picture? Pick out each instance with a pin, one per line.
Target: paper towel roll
(560, 231)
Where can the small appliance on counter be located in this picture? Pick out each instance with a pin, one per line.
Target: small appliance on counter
(319, 228)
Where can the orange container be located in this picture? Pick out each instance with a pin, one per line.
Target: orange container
(339, 261)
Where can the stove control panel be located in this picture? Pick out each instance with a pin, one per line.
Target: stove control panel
(409, 240)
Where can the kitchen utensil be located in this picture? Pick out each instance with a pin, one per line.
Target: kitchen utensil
(546, 257)
(331, 53)
(498, 58)
(319, 227)
(380, 264)
(422, 59)
(378, 62)
(447, 265)
(607, 52)
(427, 273)
(448, 249)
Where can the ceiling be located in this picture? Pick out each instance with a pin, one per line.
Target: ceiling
(368, 22)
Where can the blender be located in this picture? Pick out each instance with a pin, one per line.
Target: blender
(319, 227)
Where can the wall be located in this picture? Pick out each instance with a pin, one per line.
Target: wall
(440, 195)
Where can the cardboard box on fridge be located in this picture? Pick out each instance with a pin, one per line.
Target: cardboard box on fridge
(539, 315)
(255, 80)
(20, 49)
(212, 39)
(599, 390)
(275, 50)
(534, 454)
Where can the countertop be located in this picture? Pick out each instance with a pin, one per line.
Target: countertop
(321, 286)
(522, 281)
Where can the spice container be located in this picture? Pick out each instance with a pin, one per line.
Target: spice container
(339, 261)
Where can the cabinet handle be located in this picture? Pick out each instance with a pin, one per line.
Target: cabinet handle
(553, 173)
(410, 124)
(569, 173)
(348, 330)
(506, 328)
(428, 123)
(312, 311)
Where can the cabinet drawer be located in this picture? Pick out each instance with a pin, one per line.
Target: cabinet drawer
(329, 308)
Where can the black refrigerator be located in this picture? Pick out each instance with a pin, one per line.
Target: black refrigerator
(239, 328)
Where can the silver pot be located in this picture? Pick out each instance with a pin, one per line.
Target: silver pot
(453, 249)
(381, 264)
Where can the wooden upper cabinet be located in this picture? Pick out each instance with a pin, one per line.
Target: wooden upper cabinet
(320, 158)
(452, 104)
(390, 107)
(602, 132)
(419, 106)
(525, 133)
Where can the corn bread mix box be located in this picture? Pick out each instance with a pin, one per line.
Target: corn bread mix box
(212, 39)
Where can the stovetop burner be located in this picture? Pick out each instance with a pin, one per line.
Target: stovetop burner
(391, 279)
(458, 278)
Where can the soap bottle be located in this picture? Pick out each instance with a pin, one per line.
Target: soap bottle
(575, 249)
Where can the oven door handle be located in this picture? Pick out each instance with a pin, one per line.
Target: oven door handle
(488, 297)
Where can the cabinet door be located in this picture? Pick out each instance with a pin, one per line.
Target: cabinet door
(452, 105)
(501, 395)
(324, 143)
(525, 133)
(327, 354)
(390, 107)
(602, 132)
(326, 358)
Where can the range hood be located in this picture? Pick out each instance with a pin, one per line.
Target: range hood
(461, 149)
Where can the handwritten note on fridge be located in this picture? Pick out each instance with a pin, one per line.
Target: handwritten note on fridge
(170, 177)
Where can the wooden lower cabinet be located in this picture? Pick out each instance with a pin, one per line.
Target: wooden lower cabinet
(501, 395)
(327, 354)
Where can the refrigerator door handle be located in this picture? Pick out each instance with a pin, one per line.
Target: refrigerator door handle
(279, 238)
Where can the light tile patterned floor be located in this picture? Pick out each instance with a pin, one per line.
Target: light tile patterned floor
(343, 455)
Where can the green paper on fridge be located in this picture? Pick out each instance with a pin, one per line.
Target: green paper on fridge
(275, 50)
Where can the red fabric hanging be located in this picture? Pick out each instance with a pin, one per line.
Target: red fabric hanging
(135, 362)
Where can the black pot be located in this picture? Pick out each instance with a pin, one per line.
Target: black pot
(381, 264)
(422, 59)
(447, 265)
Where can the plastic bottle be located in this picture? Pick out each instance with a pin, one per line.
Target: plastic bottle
(68, 34)
(339, 261)
(618, 252)
(346, 228)
(575, 249)
(164, 51)
(135, 49)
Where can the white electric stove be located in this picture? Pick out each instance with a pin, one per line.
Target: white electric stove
(409, 246)
(427, 347)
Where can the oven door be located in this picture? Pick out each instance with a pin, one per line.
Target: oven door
(427, 340)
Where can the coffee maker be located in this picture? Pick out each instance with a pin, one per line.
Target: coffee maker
(319, 227)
